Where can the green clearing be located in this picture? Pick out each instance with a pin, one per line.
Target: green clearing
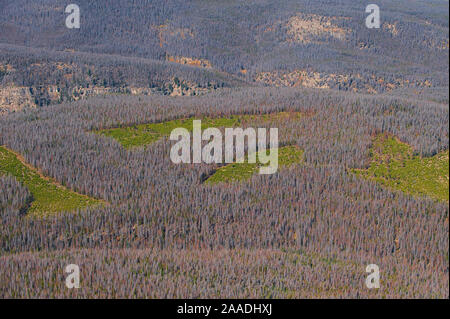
(394, 165)
(48, 196)
(144, 134)
(287, 156)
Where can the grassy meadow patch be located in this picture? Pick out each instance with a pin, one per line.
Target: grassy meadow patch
(394, 165)
(287, 156)
(144, 134)
(48, 196)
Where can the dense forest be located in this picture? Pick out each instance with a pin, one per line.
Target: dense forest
(157, 230)
(157, 204)
(239, 34)
(257, 41)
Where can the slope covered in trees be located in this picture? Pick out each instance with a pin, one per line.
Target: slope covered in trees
(50, 77)
(81, 99)
(213, 44)
(221, 273)
(320, 207)
(235, 35)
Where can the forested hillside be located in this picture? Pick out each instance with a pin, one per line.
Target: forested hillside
(309, 208)
(86, 175)
(318, 44)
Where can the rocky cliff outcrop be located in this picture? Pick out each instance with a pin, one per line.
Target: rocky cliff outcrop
(356, 83)
(15, 98)
(307, 28)
(202, 63)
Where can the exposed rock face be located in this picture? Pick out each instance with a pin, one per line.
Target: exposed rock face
(306, 28)
(392, 28)
(183, 88)
(203, 63)
(14, 98)
(73, 82)
(300, 78)
(355, 83)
